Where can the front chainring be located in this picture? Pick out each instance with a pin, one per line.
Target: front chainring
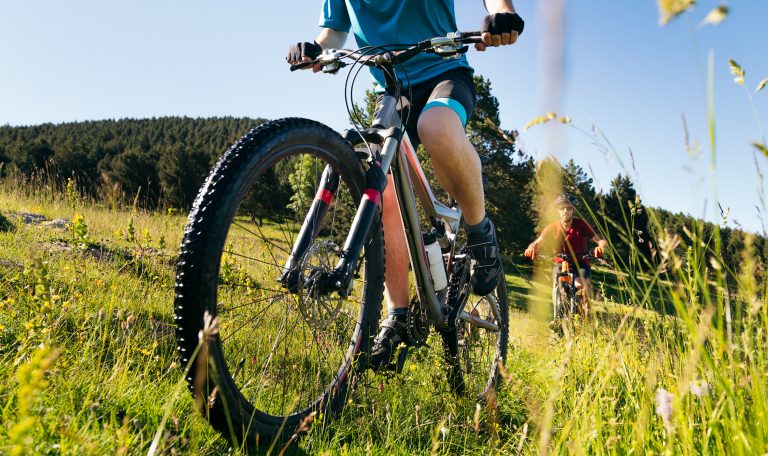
(458, 288)
(417, 324)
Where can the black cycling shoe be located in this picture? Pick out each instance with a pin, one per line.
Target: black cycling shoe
(392, 334)
(486, 261)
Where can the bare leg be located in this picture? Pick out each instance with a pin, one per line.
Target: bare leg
(396, 251)
(393, 329)
(456, 163)
(457, 167)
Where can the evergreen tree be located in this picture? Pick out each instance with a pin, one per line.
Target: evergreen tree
(30, 157)
(270, 198)
(73, 160)
(508, 196)
(5, 160)
(135, 173)
(167, 158)
(625, 220)
(181, 174)
(580, 186)
(86, 151)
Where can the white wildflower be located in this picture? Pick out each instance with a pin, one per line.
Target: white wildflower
(664, 407)
(700, 388)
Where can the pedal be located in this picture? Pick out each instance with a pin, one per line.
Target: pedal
(393, 366)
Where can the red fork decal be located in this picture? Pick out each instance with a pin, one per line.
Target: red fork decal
(373, 195)
(324, 195)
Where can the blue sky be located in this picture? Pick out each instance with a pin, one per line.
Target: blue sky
(634, 80)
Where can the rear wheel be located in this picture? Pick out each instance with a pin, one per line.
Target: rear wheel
(276, 354)
(477, 346)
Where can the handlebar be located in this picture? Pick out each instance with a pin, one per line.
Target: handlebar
(302, 65)
(448, 46)
(566, 257)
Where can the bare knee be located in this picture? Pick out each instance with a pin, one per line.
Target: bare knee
(582, 282)
(440, 129)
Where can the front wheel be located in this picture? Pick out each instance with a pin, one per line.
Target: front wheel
(267, 354)
(558, 301)
(564, 301)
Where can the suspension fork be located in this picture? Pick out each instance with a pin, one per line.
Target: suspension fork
(391, 158)
(329, 184)
(370, 205)
(368, 209)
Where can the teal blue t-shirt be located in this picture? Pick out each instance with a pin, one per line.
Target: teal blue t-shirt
(378, 22)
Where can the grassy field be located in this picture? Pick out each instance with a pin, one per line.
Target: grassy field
(88, 362)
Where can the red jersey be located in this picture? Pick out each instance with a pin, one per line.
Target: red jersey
(572, 241)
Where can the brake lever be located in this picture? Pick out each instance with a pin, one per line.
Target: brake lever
(334, 68)
(448, 53)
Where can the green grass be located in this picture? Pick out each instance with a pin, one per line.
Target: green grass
(88, 362)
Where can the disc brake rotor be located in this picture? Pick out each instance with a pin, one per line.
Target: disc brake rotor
(320, 310)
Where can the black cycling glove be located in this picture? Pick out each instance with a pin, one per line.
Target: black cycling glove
(499, 23)
(298, 51)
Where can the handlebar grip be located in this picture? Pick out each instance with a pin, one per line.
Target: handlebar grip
(301, 65)
(472, 37)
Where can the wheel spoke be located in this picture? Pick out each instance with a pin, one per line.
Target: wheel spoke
(256, 260)
(481, 335)
(260, 235)
(251, 319)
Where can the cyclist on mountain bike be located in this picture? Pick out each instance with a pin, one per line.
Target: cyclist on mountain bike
(570, 236)
(442, 98)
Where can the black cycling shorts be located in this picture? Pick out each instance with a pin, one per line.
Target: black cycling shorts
(453, 89)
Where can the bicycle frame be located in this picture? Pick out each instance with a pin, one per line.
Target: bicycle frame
(565, 280)
(391, 151)
(410, 182)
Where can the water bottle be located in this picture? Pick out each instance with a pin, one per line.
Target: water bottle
(435, 259)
